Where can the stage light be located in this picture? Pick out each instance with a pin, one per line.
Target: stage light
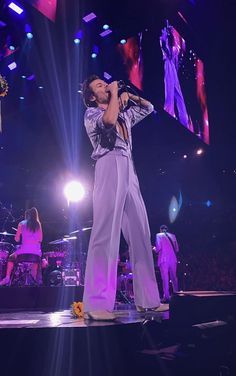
(31, 77)
(174, 207)
(40, 87)
(23, 77)
(78, 37)
(12, 65)
(122, 41)
(199, 152)
(94, 52)
(105, 27)
(2, 24)
(29, 35)
(89, 17)
(16, 8)
(74, 191)
(208, 203)
(185, 156)
(28, 31)
(12, 48)
(21, 98)
(107, 76)
(105, 33)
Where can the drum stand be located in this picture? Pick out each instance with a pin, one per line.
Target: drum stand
(123, 297)
(25, 278)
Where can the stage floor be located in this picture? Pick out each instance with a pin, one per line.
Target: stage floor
(64, 319)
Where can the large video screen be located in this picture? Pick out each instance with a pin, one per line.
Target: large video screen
(172, 72)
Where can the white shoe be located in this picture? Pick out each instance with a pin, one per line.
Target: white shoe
(161, 308)
(99, 315)
(5, 281)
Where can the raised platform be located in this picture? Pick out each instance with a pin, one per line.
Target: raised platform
(39, 298)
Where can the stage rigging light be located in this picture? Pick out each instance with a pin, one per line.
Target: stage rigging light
(105, 33)
(29, 35)
(89, 17)
(28, 31)
(16, 8)
(78, 37)
(105, 27)
(12, 48)
(122, 41)
(94, 52)
(12, 66)
(199, 152)
(74, 191)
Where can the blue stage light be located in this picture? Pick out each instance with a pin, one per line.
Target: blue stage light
(105, 27)
(123, 41)
(29, 35)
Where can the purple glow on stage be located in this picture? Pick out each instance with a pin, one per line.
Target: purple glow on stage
(2, 24)
(16, 8)
(105, 33)
(12, 66)
(31, 77)
(89, 17)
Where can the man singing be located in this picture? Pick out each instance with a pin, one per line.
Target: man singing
(117, 202)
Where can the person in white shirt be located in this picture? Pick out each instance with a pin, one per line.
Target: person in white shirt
(166, 248)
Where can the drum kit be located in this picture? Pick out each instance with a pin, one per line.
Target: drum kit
(125, 293)
(62, 264)
(64, 261)
(6, 249)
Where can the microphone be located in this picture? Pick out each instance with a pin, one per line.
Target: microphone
(121, 85)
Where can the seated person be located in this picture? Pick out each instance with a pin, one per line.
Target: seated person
(30, 232)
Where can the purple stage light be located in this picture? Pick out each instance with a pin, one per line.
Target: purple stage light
(16, 8)
(2, 24)
(107, 76)
(89, 17)
(105, 33)
(31, 77)
(12, 65)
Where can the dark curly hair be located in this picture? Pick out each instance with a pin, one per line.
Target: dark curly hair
(87, 92)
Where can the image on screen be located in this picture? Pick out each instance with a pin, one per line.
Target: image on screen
(177, 76)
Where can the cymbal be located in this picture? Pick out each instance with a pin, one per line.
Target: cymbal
(54, 254)
(74, 232)
(58, 241)
(5, 243)
(68, 237)
(6, 233)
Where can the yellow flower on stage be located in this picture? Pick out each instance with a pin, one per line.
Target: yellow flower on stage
(77, 310)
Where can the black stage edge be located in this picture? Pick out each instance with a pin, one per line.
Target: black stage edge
(39, 298)
(193, 307)
(199, 338)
